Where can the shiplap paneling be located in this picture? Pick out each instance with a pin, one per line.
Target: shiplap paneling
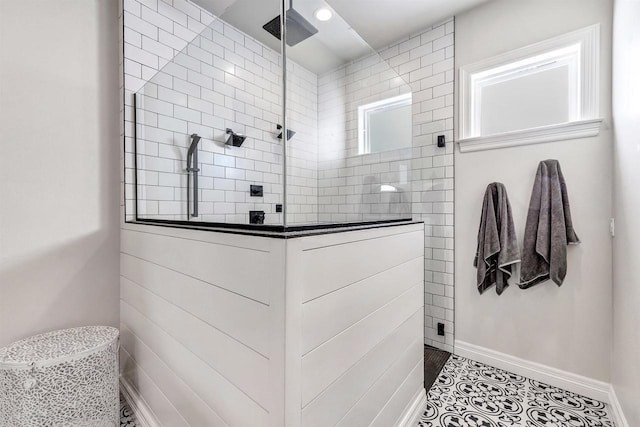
(233, 314)
(234, 406)
(204, 261)
(372, 404)
(333, 267)
(187, 403)
(148, 390)
(332, 404)
(392, 412)
(325, 364)
(242, 366)
(323, 318)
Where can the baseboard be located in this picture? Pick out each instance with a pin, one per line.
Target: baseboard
(615, 410)
(579, 384)
(414, 410)
(143, 414)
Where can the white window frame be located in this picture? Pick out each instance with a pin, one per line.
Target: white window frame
(578, 50)
(364, 145)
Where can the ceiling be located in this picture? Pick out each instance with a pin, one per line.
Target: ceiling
(356, 27)
(382, 22)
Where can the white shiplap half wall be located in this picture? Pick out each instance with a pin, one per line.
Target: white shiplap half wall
(205, 344)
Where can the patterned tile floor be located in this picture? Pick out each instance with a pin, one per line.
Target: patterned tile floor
(472, 394)
(127, 419)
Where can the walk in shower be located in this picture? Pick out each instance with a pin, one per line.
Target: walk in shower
(208, 141)
(255, 132)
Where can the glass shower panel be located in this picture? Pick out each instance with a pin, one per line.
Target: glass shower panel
(217, 142)
(207, 147)
(348, 112)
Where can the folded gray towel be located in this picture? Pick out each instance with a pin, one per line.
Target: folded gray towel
(497, 243)
(548, 230)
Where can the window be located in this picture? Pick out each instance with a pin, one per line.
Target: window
(543, 92)
(385, 125)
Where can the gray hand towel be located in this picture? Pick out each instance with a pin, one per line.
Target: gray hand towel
(548, 230)
(497, 243)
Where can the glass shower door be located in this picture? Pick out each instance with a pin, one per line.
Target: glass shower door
(349, 114)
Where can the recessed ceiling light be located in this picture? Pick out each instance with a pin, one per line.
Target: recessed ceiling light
(323, 14)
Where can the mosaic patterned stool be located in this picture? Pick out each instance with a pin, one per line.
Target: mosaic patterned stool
(62, 378)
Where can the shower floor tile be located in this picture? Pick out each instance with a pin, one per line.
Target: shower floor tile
(472, 394)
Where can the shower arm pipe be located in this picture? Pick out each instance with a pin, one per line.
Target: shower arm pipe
(192, 167)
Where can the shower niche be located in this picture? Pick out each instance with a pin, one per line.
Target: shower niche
(237, 88)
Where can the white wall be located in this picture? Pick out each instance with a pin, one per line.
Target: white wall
(625, 372)
(566, 327)
(59, 238)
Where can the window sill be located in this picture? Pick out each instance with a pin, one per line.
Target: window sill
(560, 132)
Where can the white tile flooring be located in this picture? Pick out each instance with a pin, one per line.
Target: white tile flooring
(471, 394)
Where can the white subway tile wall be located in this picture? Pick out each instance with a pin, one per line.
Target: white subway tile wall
(225, 79)
(432, 167)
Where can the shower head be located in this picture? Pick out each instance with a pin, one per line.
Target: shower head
(290, 132)
(298, 28)
(234, 139)
(194, 143)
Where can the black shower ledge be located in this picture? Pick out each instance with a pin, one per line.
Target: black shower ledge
(276, 231)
